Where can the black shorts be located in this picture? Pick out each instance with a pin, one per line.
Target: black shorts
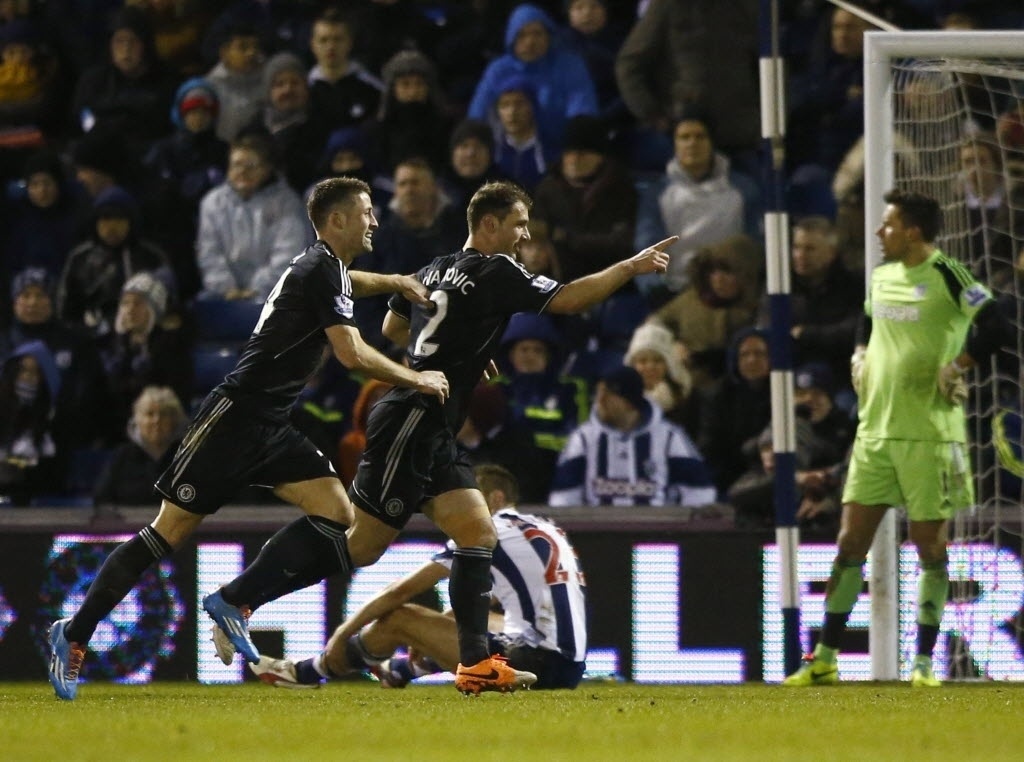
(410, 458)
(229, 447)
(551, 668)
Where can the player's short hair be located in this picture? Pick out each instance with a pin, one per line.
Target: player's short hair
(491, 477)
(330, 193)
(917, 210)
(495, 198)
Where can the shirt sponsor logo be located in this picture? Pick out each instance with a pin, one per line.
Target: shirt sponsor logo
(897, 313)
(543, 284)
(602, 487)
(343, 305)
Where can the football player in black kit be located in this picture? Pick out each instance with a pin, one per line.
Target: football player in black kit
(242, 436)
(411, 462)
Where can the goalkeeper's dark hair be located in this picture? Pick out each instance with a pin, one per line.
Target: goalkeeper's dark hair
(491, 477)
(917, 210)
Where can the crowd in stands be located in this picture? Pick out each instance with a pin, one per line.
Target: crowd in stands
(155, 156)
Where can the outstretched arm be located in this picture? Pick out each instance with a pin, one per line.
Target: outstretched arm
(372, 284)
(387, 600)
(589, 290)
(356, 354)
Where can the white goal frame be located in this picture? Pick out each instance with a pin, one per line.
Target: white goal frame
(881, 49)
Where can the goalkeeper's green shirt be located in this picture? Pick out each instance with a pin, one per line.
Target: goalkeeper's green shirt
(919, 322)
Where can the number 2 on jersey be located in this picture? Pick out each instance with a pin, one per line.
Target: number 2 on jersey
(424, 346)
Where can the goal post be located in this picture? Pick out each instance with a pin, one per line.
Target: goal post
(919, 111)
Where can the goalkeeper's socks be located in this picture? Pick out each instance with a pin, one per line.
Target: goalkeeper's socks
(825, 654)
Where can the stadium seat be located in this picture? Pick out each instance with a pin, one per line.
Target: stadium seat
(620, 315)
(221, 320)
(210, 363)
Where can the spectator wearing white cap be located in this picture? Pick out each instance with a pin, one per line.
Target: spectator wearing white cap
(143, 350)
(667, 383)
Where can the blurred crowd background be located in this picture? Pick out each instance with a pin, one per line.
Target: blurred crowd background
(155, 156)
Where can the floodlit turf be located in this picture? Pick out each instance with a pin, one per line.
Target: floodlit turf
(599, 721)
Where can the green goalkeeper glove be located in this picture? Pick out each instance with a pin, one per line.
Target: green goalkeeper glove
(952, 385)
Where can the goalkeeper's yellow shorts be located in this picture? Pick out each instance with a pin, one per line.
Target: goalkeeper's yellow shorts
(931, 479)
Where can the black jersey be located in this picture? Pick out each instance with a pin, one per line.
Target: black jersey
(474, 295)
(287, 344)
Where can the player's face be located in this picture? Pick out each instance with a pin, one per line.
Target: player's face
(893, 235)
(514, 229)
(359, 226)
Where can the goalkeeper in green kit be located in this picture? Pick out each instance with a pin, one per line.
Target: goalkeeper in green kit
(910, 448)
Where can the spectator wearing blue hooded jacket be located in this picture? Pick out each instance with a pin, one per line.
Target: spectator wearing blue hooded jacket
(29, 385)
(561, 81)
(541, 399)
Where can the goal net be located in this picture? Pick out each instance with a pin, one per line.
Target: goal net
(946, 117)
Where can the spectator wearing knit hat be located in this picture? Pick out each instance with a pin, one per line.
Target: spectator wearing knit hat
(628, 454)
(181, 168)
(143, 349)
(299, 134)
(129, 93)
(97, 268)
(585, 207)
(412, 120)
(82, 397)
(470, 161)
(655, 356)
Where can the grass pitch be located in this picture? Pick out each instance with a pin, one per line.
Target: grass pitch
(598, 721)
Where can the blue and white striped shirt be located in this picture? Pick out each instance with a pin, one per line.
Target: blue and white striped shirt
(539, 583)
(654, 464)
